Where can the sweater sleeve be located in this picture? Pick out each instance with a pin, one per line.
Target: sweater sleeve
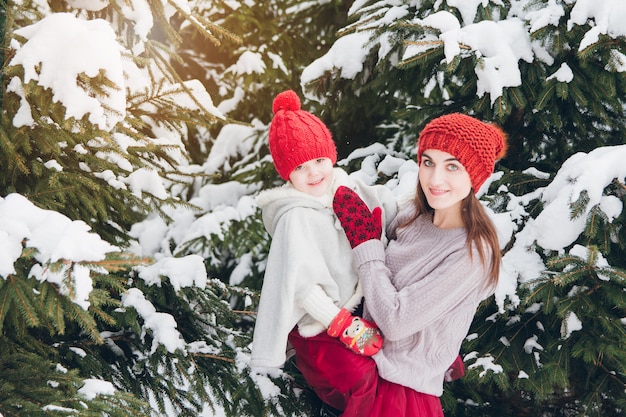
(401, 313)
(320, 306)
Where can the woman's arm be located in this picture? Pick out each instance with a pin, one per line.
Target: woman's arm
(402, 312)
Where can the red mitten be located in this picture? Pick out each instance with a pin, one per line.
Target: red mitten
(359, 223)
(456, 370)
(359, 335)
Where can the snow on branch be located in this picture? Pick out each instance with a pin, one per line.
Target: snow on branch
(55, 238)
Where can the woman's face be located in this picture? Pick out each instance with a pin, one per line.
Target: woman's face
(444, 180)
(314, 177)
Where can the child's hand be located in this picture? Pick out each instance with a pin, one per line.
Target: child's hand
(359, 223)
(359, 335)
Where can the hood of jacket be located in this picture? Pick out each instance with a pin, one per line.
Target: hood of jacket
(277, 201)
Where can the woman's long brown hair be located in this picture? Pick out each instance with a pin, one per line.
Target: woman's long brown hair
(480, 229)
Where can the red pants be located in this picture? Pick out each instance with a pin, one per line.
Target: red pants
(350, 382)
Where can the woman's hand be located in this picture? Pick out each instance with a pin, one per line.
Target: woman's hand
(359, 223)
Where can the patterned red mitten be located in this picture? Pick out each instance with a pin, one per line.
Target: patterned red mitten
(456, 370)
(359, 335)
(359, 223)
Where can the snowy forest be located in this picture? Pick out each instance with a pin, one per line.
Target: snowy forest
(133, 142)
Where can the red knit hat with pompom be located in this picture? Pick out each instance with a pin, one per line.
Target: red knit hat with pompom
(297, 136)
(477, 145)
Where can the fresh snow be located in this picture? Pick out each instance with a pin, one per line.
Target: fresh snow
(61, 46)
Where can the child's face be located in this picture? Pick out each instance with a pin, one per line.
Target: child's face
(314, 177)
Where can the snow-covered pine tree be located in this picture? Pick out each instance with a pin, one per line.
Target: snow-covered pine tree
(235, 165)
(550, 73)
(562, 94)
(213, 320)
(46, 327)
(110, 159)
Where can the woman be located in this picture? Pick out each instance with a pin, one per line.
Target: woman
(423, 289)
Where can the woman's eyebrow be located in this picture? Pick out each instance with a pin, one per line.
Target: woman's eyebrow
(446, 160)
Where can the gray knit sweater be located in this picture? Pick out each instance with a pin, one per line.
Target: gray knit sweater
(422, 291)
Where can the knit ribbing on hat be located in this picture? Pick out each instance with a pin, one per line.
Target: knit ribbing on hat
(297, 136)
(474, 143)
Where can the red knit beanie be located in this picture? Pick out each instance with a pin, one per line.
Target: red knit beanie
(477, 145)
(297, 136)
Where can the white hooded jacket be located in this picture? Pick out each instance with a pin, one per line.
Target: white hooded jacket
(310, 272)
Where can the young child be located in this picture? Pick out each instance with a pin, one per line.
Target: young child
(311, 284)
